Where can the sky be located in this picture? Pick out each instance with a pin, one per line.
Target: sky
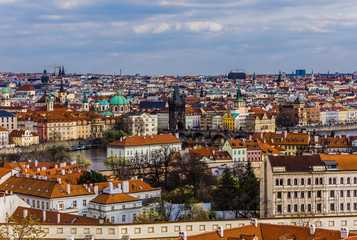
(178, 37)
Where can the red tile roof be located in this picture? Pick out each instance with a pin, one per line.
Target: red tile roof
(146, 140)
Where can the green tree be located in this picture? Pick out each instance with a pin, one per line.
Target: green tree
(226, 191)
(112, 135)
(91, 177)
(121, 167)
(81, 160)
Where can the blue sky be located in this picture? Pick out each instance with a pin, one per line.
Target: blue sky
(178, 37)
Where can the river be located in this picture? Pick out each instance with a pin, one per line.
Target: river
(97, 156)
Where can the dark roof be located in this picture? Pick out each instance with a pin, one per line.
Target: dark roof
(147, 104)
(296, 163)
(4, 113)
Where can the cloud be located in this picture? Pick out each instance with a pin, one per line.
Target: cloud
(204, 26)
(154, 28)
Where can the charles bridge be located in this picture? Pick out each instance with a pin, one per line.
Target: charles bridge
(210, 137)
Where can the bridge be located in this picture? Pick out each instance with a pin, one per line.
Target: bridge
(210, 137)
(329, 128)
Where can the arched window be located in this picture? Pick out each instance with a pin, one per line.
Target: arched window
(348, 180)
(316, 181)
(281, 182)
(277, 182)
(309, 181)
(341, 180)
(302, 181)
(355, 180)
(334, 181)
(295, 181)
(330, 181)
(321, 181)
(289, 181)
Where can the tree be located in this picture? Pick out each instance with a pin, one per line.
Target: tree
(80, 159)
(24, 228)
(121, 167)
(91, 177)
(226, 191)
(196, 212)
(112, 135)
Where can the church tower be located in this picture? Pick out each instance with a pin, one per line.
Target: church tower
(239, 103)
(177, 120)
(49, 103)
(96, 102)
(280, 81)
(62, 94)
(254, 82)
(5, 97)
(85, 104)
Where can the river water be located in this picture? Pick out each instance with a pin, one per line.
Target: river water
(97, 156)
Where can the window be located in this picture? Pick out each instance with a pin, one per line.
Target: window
(295, 207)
(309, 181)
(348, 193)
(341, 193)
(289, 208)
(295, 194)
(295, 181)
(277, 182)
(302, 194)
(74, 204)
(278, 208)
(341, 180)
(302, 208)
(112, 219)
(309, 207)
(355, 206)
(281, 182)
(332, 193)
(289, 182)
(84, 202)
(302, 181)
(341, 207)
(330, 181)
(288, 194)
(318, 207)
(309, 194)
(316, 181)
(278, 195)
(334, 181)
(355, 180)
(321, 181)
(123, 218)
(348, 207)
(318, 194)
(332, 207)
(348, 180)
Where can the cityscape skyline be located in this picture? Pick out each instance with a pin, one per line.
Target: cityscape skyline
(178, 38)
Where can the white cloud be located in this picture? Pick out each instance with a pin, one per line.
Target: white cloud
(153, 27)
(67, 4)
(116, 54)
(50, 17)
(204, 26)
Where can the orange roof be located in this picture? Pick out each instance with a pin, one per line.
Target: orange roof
(236, 143)
(345, 162)
(105, 198)
(265, 231)
(42, 188)
(146, 140)
(134, 186)
(51, 217)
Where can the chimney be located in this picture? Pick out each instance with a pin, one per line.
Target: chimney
(213, 152)
(59, 180)
(316, 138)
(250, 137)
(36, 163)
(126, 186)
(177, 135)
(63, 172)
(25, 213)
(183, 235)
(44, 215)
(38, 169)
(110, 188)
(312, 229)
(344, 233)
(261, 135)
(88, 190)
(285, 134)
(220, 231)
(58, 218)
(254, 222)
(96, 190)
(69, 189)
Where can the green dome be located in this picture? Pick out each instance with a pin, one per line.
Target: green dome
(5, 90)
(118, 100)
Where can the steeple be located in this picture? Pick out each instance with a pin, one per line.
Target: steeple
(49, 103)
(85, 105)
(239, 95)
(254, 82)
